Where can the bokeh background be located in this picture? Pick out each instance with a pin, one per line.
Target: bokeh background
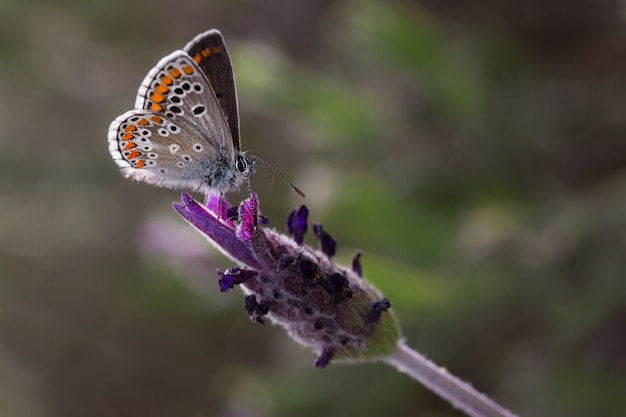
(475, 151)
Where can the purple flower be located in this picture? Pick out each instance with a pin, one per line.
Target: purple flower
(326, 243)
(296, 223)
(356, 264)
(321, 304)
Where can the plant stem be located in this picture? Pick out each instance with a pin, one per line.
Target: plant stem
(458, 393)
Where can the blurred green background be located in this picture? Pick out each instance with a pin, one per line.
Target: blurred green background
(475, 152)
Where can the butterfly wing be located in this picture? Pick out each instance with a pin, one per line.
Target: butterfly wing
(178, 89)
(177, 136)
(209, 51)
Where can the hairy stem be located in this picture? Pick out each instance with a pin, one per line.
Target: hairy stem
(458, 393)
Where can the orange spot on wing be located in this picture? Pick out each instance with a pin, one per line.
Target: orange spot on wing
(128, 135)
(206, 52)
(130, 145)
(197, 58)
(155, 107)
(175, 73)
(139, 163)
(133, 155)
(160, 88)
(167, 80)
(188, 69)
(156, 119)
(217, 50)
(143, 121)
(156, 97)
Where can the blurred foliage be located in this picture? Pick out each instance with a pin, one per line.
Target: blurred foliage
(475, 152)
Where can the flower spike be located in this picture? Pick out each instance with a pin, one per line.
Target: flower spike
(320, 304)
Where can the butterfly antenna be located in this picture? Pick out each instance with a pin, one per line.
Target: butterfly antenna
(277, 172)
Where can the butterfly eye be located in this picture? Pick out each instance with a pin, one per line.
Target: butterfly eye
(242, 164)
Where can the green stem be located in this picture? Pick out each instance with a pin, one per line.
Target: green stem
(458, 393)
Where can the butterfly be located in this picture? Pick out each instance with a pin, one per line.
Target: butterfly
(184, 130)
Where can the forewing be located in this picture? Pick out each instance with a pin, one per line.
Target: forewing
(209, 51)
(178, 90)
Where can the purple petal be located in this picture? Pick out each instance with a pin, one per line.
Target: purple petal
(217, 204)
(296, 223)
(232, 213)
(356, 264)
(325, 242)
(234, 276)
(218, 232)
(376, 310)
(225, 281)
(213, 202)
(324, 358)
